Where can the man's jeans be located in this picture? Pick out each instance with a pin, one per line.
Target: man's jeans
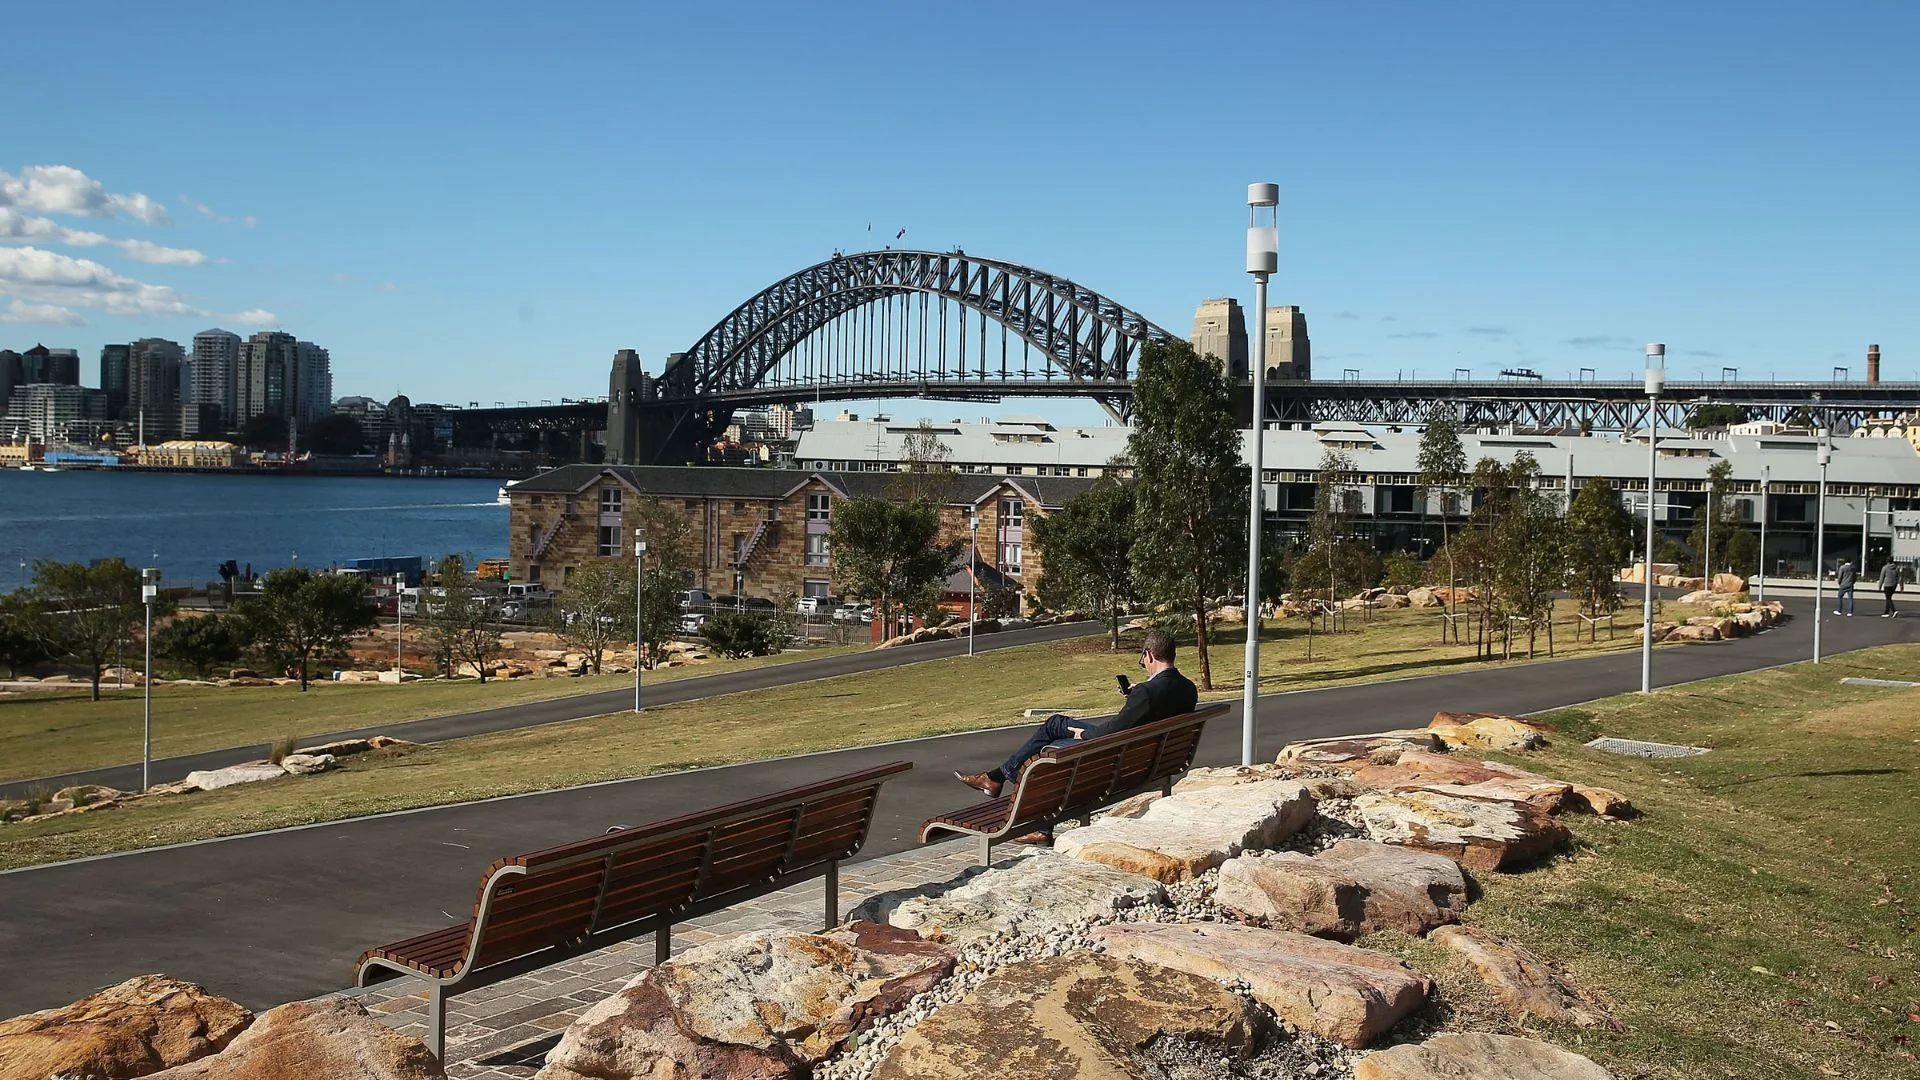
(1052, 733)
(1843, 598)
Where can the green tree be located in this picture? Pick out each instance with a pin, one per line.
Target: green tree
(335, 433)
(1402, 568)
(669, 572)
(1716, 416)
(1443, 468)
(202, 643)
(299, 614)
(459, 619)
(1086, 552)
(1190, 504)
(20, 647)
(1530, 561)
(83, 612)
(1599, 541)
(735, 634)
(1499, 487)
(1333, 556)
(888, 552)
(264, 431)
(1728, 544)
(595, 607)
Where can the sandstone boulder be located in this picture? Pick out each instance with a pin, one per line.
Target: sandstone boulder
(1353, 888)
(1478, 834)
(1031, 893)
(762, 1005)
(1355, 751)
(1423, 597)
(1395, 600)
(143, 1025)
(1081, 1016)
(81, 796)
(1336, 991)
(1481, 731)
(1728, 583)
(1693, 633)
(1698, 596)
(1452, 774)
(331, 1037)
(1225, 776)
(306, 764)
(215, 779)
(349, 747)
(1662, 630)
(1527, 984)
(1481, 1057)
(1184, 835)
(1602, 801)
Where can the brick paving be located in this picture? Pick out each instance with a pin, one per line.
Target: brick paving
(503, 1031)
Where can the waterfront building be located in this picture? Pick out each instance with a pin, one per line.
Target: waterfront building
(1391, 510)
(54, 412)
(216, 368)
(758, 532)
(114, 376)
(11, 375)
(193, 454)
(43, 365)
(313, 383)
(1220, 331)
(278, 374)
(155, 367)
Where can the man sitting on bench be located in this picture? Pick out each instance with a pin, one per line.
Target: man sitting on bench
(1166, 693)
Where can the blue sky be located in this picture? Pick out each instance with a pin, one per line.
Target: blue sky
(478, 202)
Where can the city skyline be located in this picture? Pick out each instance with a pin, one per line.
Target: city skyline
(1495, 188)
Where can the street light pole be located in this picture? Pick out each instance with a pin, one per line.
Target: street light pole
(1766, 480)
(1820, 544)
(399, 628)
(973, 568)
(639, 606)
(1656, 380)
(1263, 258)
(149, 591)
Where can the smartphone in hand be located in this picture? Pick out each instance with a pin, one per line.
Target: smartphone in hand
(1126, 687)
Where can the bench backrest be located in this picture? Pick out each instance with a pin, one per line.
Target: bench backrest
(1101, 770)
(562, 894)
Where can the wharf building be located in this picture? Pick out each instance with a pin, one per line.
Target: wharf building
(757, 532)
(1876, 475)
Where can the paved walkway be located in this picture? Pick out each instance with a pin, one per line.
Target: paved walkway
(572, 707)
(274, 917)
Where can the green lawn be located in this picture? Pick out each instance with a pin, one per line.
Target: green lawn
(1759, 921)
(46, 734)
(928, 698)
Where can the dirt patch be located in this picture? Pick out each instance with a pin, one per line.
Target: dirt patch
(1897, 715)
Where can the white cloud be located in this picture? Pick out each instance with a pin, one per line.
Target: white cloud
(148, 252)
(39, 276)
(15, 226)
(20, 311)
(63, 189)
(254, 317)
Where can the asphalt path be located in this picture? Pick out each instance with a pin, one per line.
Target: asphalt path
(573, 707)
(272, 917)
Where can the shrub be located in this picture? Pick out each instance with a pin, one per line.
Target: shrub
(1402, 568)
(738, 634)
(278, 751)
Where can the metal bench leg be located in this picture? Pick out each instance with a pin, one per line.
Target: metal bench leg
(833, 895)
(662, 943)
(986, 850)
(437, 1023)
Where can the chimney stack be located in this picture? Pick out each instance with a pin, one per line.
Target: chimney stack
(1873, 363)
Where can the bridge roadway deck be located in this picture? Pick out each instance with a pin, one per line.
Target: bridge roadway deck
(272, 917)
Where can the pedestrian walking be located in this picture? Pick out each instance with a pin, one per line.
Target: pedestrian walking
(1843, 587)
(1889, 584)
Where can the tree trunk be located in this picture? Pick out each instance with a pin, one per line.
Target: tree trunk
(96, 682)
(303, 673)
(1113, 627)
(1200, 640)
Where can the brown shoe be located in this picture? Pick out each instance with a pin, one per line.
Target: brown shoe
(981, 781)
(1035, 837)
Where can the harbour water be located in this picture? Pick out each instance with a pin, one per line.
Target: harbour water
(188, 523)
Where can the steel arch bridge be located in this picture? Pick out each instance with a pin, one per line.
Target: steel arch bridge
(887, 324)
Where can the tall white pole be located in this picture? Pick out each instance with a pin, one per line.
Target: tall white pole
(639, 606)
(1656, 379)
(1263, 258)
(973, 573)
(1820, 547)
(149, 591)
(1866, 526)
(1766, 478)
(1706, 549)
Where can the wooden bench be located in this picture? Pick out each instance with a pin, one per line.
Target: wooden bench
(1073, 781)
(547, 906)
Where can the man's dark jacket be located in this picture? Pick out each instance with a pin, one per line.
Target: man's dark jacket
(1165, 695)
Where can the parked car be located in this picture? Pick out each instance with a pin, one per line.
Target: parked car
(862, 613)
(693, 622)
(696, 600)
(816, 605)
(730, 602)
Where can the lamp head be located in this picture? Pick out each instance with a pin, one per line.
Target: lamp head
(1656, 368)
(1263, 229)
(639, 541)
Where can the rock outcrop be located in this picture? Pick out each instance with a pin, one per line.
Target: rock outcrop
(760, 1006)
(139, 1027)
(332, 1037)
(1189, 833)
(1356, 751)
(1452, 774)
(215, 779)
(1081, 1016)
(1484, 731)
(1339, 992)
(1476, 833)
(1481, 1057)
(1353, 888)
(1031, 894)
(1525, 983)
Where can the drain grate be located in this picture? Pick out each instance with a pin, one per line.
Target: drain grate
(1636, 748)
